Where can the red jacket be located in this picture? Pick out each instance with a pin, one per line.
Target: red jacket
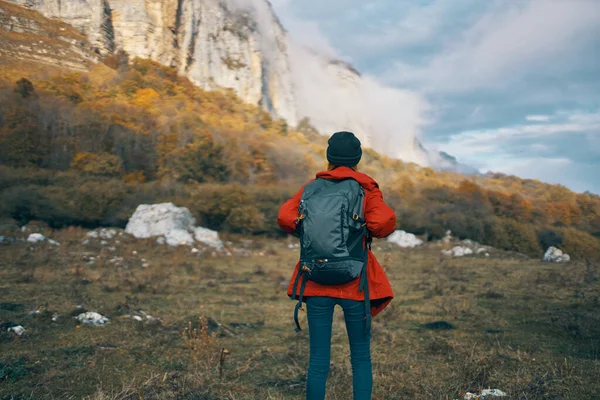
(381, 222)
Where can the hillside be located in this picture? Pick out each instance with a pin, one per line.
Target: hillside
(242, 46)
(136, 132)
(83, 142)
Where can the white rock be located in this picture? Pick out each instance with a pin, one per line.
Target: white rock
(103, 242)
(404, 239)
(18, 330)
(145, 265)
(208, 237)
(458, 251)
(160, 240)
(556, 255)
(175, 224)
(195, 250)
(134, 253)
(103, 233)
(481, 250)
(137, 318)
(55, 317)
(485, 394)
(92, 318)
(85, 242)
(36, 237)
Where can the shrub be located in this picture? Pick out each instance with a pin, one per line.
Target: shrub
(103, 164)
(26, 203)
(547, 238)
(200, 161)
(580, 245)
(507, 234)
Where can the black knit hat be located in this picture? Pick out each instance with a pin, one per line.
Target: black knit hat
(344, 149)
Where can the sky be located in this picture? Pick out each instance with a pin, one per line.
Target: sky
(509, 86)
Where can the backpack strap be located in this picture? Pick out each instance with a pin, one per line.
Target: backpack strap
(300, 297)
(364, 283)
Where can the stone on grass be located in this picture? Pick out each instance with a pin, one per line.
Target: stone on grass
(103, 233)
(556, 255)
(404, 239)
(208, 237)
(17, 330)
(38, 237)
(486, 394)
(92, 318)
(458, 251)
(173, 225)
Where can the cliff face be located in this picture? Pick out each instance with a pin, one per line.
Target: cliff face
(213, 44)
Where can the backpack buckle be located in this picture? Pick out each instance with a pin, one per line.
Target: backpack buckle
(300, 218)
(355, 217)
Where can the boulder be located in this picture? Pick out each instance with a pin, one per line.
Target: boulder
(458, 251)
(404, 239)
(38, 237)
(172, 225)
(17, 330)
(556, 255)
(486, 394)
(92, 318)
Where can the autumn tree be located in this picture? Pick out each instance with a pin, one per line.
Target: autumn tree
(103, 164)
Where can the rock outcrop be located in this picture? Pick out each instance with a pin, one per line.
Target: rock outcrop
(26, 36)
(556, 255)
(172, 225)
(216, 44)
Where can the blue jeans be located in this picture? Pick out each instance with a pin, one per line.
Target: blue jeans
(320, 319)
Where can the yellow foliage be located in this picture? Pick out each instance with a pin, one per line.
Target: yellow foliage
(135, 177)
(145, 98)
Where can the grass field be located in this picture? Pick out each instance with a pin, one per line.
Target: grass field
(528, 328)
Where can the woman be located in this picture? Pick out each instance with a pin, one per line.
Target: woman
(343, 154)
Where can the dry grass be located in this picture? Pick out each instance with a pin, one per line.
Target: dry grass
(527, 328)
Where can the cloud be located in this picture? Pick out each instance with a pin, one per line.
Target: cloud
(335, 98)
(557, 152)
(537, 118)
(508, 42)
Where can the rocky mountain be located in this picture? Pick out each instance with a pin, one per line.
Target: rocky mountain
(240, 45)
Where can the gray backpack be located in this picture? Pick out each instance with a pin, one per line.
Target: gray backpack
(332, 232)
